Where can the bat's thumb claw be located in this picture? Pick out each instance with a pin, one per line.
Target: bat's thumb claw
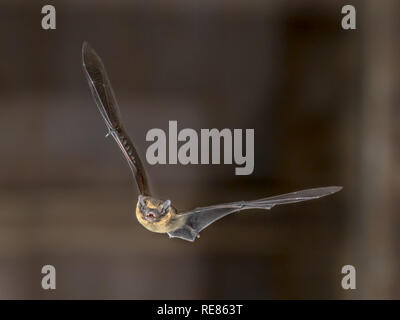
(110, 131)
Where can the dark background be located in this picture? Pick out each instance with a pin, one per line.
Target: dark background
(324, 105)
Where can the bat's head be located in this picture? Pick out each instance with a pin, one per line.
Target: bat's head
(153, 209)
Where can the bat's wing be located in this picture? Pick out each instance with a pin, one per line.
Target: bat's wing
(106, 102)
(200, 218)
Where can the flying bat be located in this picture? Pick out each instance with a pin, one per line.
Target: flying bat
(159, 215)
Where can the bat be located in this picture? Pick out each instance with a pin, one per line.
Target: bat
(159, 215)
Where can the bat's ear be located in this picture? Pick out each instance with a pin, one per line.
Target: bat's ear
(140, 199)
(166, 205)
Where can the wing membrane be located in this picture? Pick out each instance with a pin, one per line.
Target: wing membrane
(106, 102)
(200, 218)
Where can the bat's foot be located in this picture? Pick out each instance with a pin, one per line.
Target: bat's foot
(193, 232)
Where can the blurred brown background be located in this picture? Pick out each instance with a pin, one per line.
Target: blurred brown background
(324, 106)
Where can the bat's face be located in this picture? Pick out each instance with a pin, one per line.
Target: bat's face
(153, 210)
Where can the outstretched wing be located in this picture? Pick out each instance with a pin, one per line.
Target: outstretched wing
(200, 218)
(106, 102)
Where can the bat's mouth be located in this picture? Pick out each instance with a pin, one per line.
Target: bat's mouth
(151, 216)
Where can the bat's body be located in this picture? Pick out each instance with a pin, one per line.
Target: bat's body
(158, 215)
